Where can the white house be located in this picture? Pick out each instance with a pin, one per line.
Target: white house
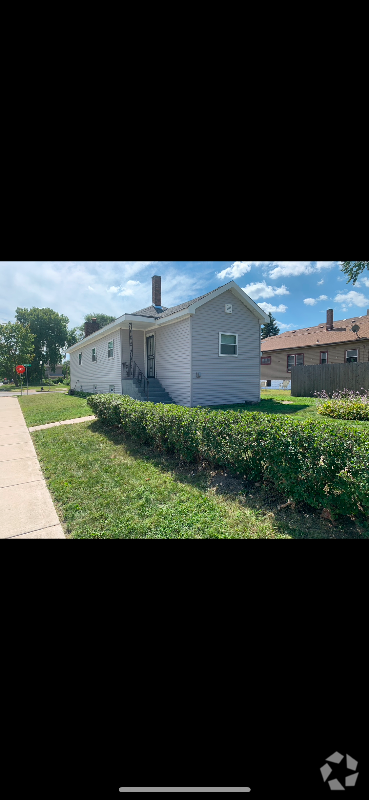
(202, 352)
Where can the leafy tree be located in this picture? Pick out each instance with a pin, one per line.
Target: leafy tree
(353, 269)
(66, 370)
(270, 328)
(52, 337)
(102, 319)
(16, 347)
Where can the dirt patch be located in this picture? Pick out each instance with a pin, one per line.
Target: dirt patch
(226, 484)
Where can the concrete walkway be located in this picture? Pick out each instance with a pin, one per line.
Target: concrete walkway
(26, 508)
(62, 422)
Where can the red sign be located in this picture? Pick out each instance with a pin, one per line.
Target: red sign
(20, 369)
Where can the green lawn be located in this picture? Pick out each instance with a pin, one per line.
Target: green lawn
(107, 488)
(38, 409)
(37, 386)
(280, 401)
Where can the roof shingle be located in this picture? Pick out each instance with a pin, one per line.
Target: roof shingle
(166, 312)
(318, 334)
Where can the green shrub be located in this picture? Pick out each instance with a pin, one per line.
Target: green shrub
(79, 394)
(311, 461)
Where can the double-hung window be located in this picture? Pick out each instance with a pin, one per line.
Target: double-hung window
(110, 349)
(323, 357)
(352, 356)
(295, 360)
(228, 344)
(94, 354)
(79, 359)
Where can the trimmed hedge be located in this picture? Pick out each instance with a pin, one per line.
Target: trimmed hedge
(312, 461)
(80, 394)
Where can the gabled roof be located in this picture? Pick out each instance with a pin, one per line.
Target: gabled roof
(318, 335)
(166, 312)
(152, 313)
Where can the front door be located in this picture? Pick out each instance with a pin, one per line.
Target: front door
(150, 349)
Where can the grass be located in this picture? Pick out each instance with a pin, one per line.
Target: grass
(280, 401)
(37, 386)
(107, 488)
(40, 409)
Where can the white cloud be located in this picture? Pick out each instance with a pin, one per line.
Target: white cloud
(365, 282)
(284, 269)
(281, 309)
(255, 290)
(352, 299)
(91, 289)
(311, 301)
(320, 282)
(133, 283)
(237, 269)
(113, 289)
(285, 326)
(126, 292)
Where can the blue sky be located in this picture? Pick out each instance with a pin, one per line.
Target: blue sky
(297, 293)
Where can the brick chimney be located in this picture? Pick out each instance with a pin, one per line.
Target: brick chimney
(91, 327)
(329, 319)
(156, 290)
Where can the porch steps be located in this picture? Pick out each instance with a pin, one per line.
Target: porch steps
(157, 393)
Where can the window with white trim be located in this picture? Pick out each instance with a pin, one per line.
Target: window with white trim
(111, 388)
(110, 349)
(228, 344)
(94, 358)
(79, 359)
(295, 360)
(352, 356)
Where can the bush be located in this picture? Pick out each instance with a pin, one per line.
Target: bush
(79, 394)
(344, 404)
(310, 461)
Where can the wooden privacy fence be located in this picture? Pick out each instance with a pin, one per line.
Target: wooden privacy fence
(329, 377)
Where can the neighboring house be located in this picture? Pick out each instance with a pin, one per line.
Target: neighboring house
(328, 343)
(54, 373)
(202, 352)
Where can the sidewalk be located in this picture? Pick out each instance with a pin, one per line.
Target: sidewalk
(26, 508)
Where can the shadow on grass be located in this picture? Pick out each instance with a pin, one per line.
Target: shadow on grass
(263, 498)
(269, 407)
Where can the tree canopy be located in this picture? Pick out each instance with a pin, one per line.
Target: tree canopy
(270, 328)
(51, 337)
(16, 347)
(352, 269)
(102, 319)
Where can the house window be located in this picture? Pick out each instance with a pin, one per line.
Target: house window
(110, 349)
(111, 388)
(352, 356)
(324, 358)
(79, 359)
(94, 354)
(296, 360)
(228, 344)
(266, 359)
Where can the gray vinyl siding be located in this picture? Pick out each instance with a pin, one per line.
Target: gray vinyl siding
(138, 347)
(225, 379)
(173, 359)
(103, 372)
